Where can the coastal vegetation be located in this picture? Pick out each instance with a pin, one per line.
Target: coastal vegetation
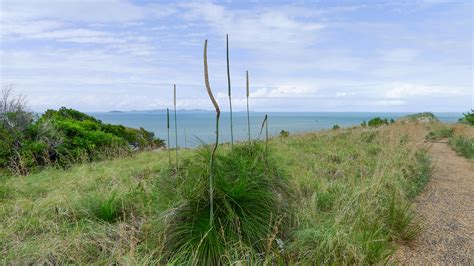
(327, 197)
(468, 118)
(61, 137)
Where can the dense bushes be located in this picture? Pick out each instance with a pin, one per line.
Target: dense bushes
(377, 121)
(61, 137)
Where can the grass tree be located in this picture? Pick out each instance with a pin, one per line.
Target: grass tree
(229, 92)
(218, 113)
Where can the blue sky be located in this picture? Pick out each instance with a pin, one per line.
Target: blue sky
(375, 55)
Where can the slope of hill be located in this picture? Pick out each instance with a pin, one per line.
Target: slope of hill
(349, 203)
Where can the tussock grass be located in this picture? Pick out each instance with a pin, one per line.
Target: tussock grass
(337, 197)
(250, 206)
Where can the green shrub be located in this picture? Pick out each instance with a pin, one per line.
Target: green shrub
(377, 121)
(335, 127)
(463, 145)
(468, 118)
(249, 210)
(284, 134)
(62, 137)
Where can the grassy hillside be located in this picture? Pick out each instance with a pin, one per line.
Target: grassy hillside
(420, 117)
(343, 198)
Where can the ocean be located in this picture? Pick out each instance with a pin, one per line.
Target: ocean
(194, 128)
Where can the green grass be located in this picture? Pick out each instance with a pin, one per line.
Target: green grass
(440, 133)
(338, 197)
(249, 202)
(463, 145)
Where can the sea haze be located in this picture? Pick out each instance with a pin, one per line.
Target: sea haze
(197, 127)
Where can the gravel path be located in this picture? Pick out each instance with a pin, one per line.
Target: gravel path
(447, 209)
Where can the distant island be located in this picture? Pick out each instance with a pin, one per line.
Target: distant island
(159, 111)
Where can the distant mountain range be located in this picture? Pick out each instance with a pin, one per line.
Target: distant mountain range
(159, 111)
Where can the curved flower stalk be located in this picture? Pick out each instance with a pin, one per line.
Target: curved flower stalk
(218, 113)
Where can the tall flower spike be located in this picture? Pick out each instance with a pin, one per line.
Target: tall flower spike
(168, 127)
(229, 93)
(248, 112)
(175, 125)
(218, 113)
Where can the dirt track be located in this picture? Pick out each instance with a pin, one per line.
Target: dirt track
(447, 209)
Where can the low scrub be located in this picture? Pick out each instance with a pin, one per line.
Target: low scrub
(377, 121)
(63, 137)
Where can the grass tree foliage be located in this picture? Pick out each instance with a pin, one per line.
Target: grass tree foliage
(248, 206)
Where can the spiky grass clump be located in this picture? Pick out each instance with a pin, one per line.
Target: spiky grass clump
(250, 211)
(105, 207)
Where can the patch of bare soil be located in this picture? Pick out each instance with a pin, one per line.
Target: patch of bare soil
(447, 209)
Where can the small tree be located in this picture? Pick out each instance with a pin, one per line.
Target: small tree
(15, 119)
(468, 118)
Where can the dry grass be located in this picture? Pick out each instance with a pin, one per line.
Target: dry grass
(350, 202)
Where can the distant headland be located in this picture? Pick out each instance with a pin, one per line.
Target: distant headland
(158, 111)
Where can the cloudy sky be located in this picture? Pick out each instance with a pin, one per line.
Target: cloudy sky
(100, 55)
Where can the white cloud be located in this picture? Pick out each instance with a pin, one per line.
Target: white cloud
(262, 30)
(284, 91)
(399, 55)
(72, 10)
(410, 90)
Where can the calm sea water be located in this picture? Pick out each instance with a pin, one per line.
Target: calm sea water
(194, 127)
